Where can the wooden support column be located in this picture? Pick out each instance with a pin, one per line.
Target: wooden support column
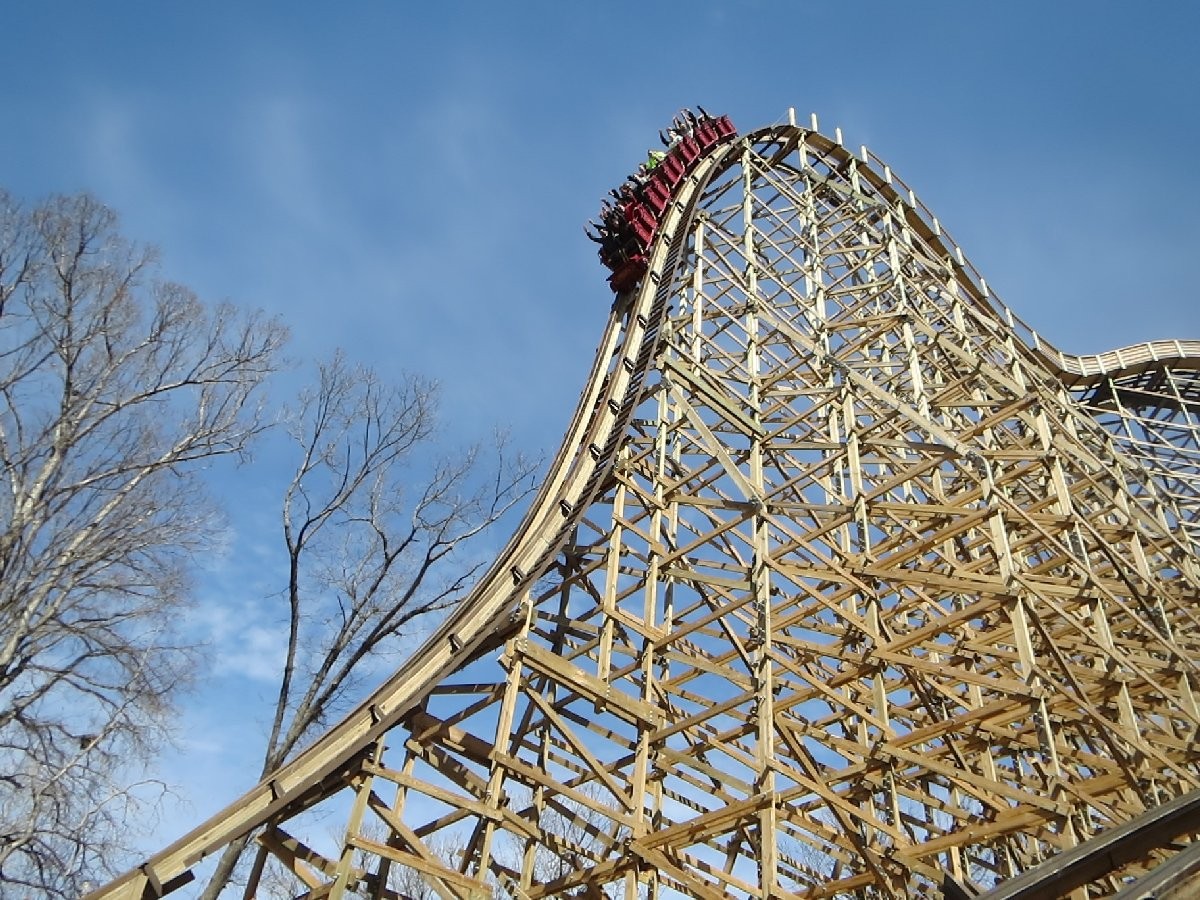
(495, 796)
(613, 564)
(362, 792)
(697, 340)
(385, 863)
(760, 572)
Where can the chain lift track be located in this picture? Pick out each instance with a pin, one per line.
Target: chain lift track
(843, 583)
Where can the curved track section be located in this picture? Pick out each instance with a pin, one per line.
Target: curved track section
(1146, 395)
(840, 583)
(582, 465)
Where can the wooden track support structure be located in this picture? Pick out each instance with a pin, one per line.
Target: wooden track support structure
(843, 583)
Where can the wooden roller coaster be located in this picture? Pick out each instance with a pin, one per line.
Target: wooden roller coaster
(843, 583)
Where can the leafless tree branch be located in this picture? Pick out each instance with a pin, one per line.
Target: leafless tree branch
(114, 389)
(378, 526)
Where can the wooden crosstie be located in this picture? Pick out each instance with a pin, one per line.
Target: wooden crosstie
(843, 584)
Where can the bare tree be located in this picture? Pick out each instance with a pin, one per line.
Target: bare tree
(582, 834)
(115, 390)
(379, 528)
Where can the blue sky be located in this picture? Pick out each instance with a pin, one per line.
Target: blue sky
(409, 182)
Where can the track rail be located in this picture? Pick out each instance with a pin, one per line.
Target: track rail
(624, 358)
(1078, 371)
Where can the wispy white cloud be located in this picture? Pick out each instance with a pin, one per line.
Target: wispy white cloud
(254, 652)
(244, 638)
(276, 136)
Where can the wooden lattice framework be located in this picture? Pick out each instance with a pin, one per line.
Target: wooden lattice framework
(842, 583)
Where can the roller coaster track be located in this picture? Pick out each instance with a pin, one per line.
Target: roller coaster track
(824, 459)
(1146, 394)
